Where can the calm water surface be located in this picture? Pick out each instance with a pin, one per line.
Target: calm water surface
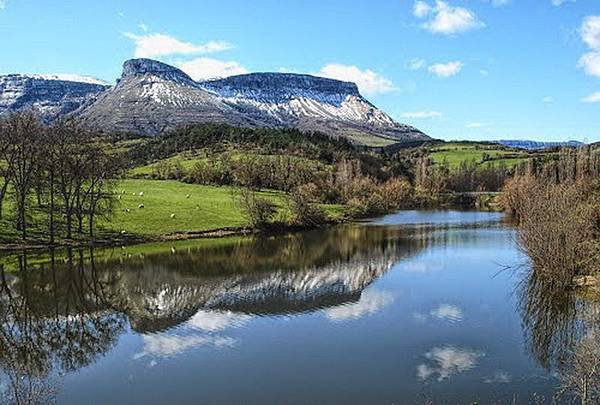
(411, 308)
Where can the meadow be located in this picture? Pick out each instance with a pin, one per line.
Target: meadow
(456, 152)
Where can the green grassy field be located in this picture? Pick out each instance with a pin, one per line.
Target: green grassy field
(194, 207)
(206, 208)
(455, 153)
(155, 208)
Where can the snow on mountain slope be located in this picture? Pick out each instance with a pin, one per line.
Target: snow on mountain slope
(152, 97)
(310, 103)
(49, 95)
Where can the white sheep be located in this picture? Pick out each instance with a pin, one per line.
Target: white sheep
(172, 215)
(141, 193)
(141, 206)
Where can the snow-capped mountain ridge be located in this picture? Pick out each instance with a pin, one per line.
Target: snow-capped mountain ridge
(50, 95)
(152, 97)
(281, 87)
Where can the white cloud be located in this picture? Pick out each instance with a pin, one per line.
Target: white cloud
(207, 68)
(143, 27)
(421, 9)
(590, 34)
(153, 45)
(446, 69)
(417, 64)
(368, 81)
(590, 31)
(592, 98)
(445, 19)
(370, 302)
(2, 4)
(447, 361)
(500, 3)
(548, 100)
(484, 72)
(447, 312)
(590, 63)
(479, 124)
(422, 114)
(561, 2)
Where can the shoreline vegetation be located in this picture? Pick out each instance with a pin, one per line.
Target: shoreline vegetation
(556, 207)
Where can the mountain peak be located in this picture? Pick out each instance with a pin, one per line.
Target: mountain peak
(142, 67)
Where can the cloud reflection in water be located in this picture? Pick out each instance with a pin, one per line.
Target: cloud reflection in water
(370, 302)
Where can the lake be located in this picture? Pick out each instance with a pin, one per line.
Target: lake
(416, 307)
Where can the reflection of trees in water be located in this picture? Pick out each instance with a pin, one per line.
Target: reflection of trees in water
(563, 334)
(62, 314)
(52, 321)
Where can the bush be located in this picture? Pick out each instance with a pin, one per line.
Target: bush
(559, 225)
(258, 211)
(515, 193)
(305, 210)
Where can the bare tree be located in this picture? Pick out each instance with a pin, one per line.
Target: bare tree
(25, 134)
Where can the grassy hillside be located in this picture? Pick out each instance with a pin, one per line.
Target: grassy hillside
(456, 152)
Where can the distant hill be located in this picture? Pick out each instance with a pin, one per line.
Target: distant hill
(530, 145)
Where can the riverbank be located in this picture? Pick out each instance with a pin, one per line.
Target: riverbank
(166, 210)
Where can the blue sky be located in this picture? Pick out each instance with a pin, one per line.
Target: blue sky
(457, 69)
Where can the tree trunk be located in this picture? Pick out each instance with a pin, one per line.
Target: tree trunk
(52, 207)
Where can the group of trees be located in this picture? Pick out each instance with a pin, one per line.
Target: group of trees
(310, 168)
(58, 177)
(220, 137)
(436, 178)
(568, 164)
(557, 206)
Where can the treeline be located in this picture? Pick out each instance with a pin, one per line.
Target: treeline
(220, 137)
(567, 164)
(557, 206)
(58, 177)
(216, 139)
(433, 179)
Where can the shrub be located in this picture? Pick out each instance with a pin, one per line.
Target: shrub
(559, 225)
(305, 211)
(258, 211)
(515, 193)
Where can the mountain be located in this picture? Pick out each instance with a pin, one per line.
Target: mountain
(50, 95)
(152, 97)
(531, 145)
(310, 103)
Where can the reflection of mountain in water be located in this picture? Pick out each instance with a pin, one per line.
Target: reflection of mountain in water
(64, 313)
(279, 275)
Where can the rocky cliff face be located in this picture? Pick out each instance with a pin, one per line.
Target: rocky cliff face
(50, 96)
(152, 97)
